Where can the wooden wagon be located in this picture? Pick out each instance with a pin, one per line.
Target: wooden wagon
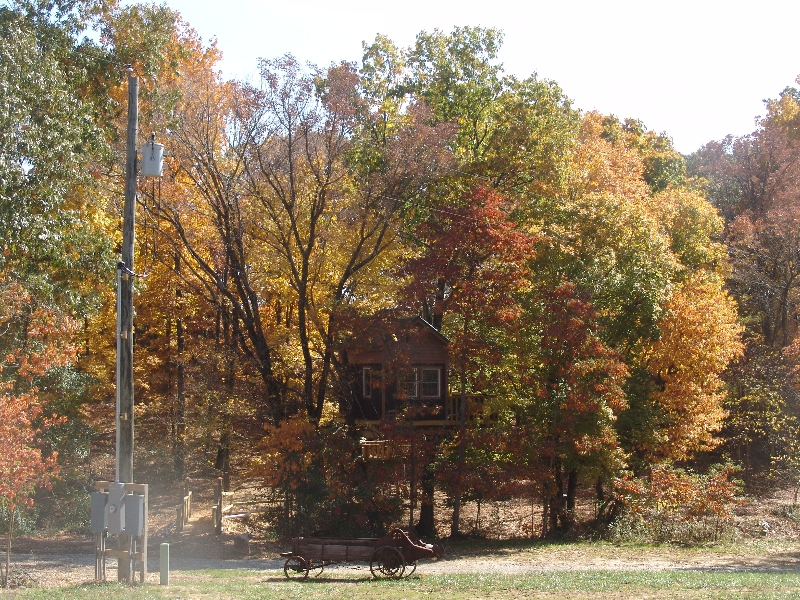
(391, 556)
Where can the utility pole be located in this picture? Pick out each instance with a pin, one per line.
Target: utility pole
(125, 347)
(125, 276)
(120, 507)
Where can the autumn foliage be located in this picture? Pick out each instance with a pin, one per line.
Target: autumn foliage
(42, 343)
(35, 340)
(590, 279)
(677, 505)
(327, 486)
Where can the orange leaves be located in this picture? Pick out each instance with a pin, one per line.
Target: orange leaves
(287, 453)
(44, 335)
(700, 336)
(35, 339)
(669, 499)
(22, 466)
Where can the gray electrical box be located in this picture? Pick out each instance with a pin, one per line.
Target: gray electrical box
(116, 507)
(134, 515)
(99, 522)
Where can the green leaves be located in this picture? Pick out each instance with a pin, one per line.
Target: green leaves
(39, 144)
(46, 140)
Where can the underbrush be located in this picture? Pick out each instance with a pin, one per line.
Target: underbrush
(677, 506)
(790, 513)
(664, 528)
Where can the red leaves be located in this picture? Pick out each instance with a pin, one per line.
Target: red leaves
(575, 382)
(669, 497)
(493, 464)
(37, 339)
(22, 466)
(473, 264)
(577, 359)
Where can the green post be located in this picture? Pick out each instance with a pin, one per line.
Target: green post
(164, 562)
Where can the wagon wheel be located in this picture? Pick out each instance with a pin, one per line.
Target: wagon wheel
(387, 562)
(295, 567)
(412, 566)
(315, 568)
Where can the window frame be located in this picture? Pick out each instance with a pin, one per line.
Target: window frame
(409, 377)
(366, 382)
(422, 382)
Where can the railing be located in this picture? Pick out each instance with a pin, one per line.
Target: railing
(475, 407)
(225, 507)
(185, 507)
(383, 449)
(223, 502)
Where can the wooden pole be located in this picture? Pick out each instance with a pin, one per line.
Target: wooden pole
(412, 496)
(125, 317)
(125, 422)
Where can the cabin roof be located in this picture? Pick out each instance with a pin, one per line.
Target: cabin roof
(378, 334)
(417, 320)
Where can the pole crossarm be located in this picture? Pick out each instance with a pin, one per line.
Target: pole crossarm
(121, 266)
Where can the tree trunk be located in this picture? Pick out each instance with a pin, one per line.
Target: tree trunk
(223, 461)
(747, 463)
(425, 527)
(572, 486)
(462, 446)
(305, 347)
(545, 511)
(557, 500)
(325, 370)
(6, 575)
(180, 410)
(412, 496)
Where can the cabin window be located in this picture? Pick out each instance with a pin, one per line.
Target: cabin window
(431, 382)
(367, 376)
(409, 384)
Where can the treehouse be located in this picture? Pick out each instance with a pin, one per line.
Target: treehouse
(401, 373)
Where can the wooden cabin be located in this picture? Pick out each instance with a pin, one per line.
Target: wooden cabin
(402, 374)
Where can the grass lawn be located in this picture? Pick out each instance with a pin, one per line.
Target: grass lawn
(218, 584)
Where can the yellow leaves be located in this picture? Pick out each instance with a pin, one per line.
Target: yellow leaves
(286, 453)
(692, 223)
(700, 336)
(602, 166)
(785, 113)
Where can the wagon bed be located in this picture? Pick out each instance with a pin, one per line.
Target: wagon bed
(393, 555)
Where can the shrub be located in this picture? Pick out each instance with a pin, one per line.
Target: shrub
(328, 488)
(677, 505)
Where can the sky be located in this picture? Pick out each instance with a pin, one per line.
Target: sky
(697, 70)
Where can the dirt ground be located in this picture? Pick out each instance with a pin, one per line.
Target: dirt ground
(766, 537)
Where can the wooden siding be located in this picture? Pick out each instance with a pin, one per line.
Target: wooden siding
(420, 347)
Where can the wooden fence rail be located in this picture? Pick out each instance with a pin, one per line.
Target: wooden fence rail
(225, 507)
(185, 507)
(223, 503)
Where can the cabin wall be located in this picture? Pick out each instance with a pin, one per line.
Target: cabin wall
(424, 352)
(385, 395)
